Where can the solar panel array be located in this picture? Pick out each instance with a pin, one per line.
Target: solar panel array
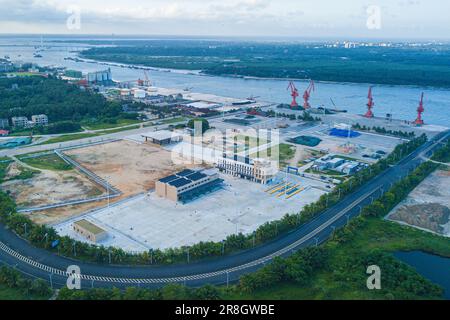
(183, 178)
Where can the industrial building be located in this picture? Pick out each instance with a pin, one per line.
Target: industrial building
(333, 162)
(90, 231)
(100, 77)
(40, 120)
(163, 137)
(258, 170)
(188, 185)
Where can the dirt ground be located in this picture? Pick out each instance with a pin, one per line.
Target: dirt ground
(48, 187)
(132, 168)
(57, 215)
(427, 206)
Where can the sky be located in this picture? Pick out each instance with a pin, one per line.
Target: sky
(396, 19)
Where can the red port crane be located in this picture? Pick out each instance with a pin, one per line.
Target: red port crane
(370, 105)
(294, 94)
(420, 110)
(307, 95)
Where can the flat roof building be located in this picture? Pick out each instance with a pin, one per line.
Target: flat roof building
(20, 122)
(188, 184)
(40, 120)
(257, 170)
(89, 231)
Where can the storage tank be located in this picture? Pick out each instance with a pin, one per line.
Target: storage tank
(139, 93)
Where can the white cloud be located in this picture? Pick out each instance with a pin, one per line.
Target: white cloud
(228, 17)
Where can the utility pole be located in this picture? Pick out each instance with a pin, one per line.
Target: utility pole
(51, 280)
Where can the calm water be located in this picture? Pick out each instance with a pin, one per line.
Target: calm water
(434, 268)
(402, 101)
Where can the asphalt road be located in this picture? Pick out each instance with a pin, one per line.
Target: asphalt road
(39, 263)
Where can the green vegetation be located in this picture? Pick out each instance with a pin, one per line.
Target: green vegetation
(399, 65)
(110, 124)
(70, 137)
(443, 154)
(286, 152)
(48, 162)
(174, 120)
(204, 124)
(383, 130)
(66, 106)
(15, 287)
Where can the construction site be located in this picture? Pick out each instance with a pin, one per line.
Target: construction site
(428, 206)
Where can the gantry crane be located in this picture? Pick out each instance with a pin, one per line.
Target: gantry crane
(294, 94)
(370, 105)
(307, 95)
(420, 110)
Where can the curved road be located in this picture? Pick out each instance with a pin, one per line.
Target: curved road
(39, 263)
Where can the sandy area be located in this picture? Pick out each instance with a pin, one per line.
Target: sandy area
(427, 206)
(132, 168)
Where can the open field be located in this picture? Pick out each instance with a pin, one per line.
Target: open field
(428, 206)
(48, 162)
(101, 126)
(47, 187)
(150, 222)
(132, 168)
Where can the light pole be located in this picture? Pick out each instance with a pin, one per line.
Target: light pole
(51, 280)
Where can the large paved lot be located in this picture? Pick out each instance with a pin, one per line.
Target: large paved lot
(150, 222)
(131, 167)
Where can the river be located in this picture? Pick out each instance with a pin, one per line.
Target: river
(401, 101)
(434, 268)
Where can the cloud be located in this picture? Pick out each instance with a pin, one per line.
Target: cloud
(230, 17)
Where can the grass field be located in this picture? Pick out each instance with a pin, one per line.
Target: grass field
(48, 162)
(174, 120)
(342, 279)
(70, 137)
(119, 123)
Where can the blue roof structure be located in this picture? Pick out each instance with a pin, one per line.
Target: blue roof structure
(196, 176)
(185, 173)
(342, 133)
(168, 179)
(180, 182)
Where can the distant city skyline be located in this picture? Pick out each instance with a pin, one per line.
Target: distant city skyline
(382, 19)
